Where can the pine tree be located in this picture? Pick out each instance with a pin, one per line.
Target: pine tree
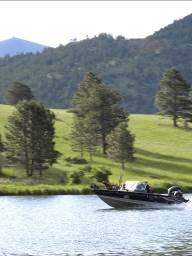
(99, 104)
(91, 136)
(83, 136)
(1, 144)
(17, 92)
(120, 144)
(78, 135)
(186, 104)
(30, 137)
(1, 157)
(173, 97)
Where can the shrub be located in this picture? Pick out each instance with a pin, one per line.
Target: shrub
(76, 160)
(102, 174)
(87, 169)
(64, 178)
(77, 177)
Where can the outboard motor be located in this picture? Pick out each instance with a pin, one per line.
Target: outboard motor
(174, 191)
(178, 194)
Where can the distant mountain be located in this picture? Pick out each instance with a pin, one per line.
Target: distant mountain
(14, 46)
(134, 66)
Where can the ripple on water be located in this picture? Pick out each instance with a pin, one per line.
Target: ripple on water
(84, 225)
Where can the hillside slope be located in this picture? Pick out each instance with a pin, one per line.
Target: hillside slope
(132, 66)
(158, 157)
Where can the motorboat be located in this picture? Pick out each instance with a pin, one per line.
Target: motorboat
(133, 194)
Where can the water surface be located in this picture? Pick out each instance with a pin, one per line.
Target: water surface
(84, 225)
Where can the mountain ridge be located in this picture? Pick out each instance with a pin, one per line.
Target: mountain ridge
(133, 66)
(13, 46)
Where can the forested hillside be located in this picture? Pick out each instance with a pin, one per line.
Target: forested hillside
(133, 66)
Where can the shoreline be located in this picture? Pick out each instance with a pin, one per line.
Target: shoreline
(36, 191)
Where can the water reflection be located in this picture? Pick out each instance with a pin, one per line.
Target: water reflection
(168, 208)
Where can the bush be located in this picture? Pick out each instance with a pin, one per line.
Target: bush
(102, 174)
(76, 160)
(64, 178)
(87, 169)
(77, 177)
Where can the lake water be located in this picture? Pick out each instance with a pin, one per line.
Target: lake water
(84, 225)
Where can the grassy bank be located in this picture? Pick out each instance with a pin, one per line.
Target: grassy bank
(163, 157)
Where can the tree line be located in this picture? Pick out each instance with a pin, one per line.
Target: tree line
(99, 122)
(134, 65)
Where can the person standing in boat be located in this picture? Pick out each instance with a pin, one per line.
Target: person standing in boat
(148, 189)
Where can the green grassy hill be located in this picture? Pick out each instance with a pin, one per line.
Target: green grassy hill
(163, 157)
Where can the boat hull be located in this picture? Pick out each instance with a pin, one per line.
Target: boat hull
(119, 199)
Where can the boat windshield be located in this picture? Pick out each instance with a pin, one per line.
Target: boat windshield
(135, 186)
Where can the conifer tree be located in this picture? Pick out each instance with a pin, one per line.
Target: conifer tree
(173, 98)
(83, 136)
(1, 157)
(1, 144)
(100, 105)
(186, 113)
(78, 135)
(17, 92)
(30, 137)
(91, 136)
(120, 144)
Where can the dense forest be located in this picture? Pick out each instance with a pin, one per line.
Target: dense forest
(134, 66)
